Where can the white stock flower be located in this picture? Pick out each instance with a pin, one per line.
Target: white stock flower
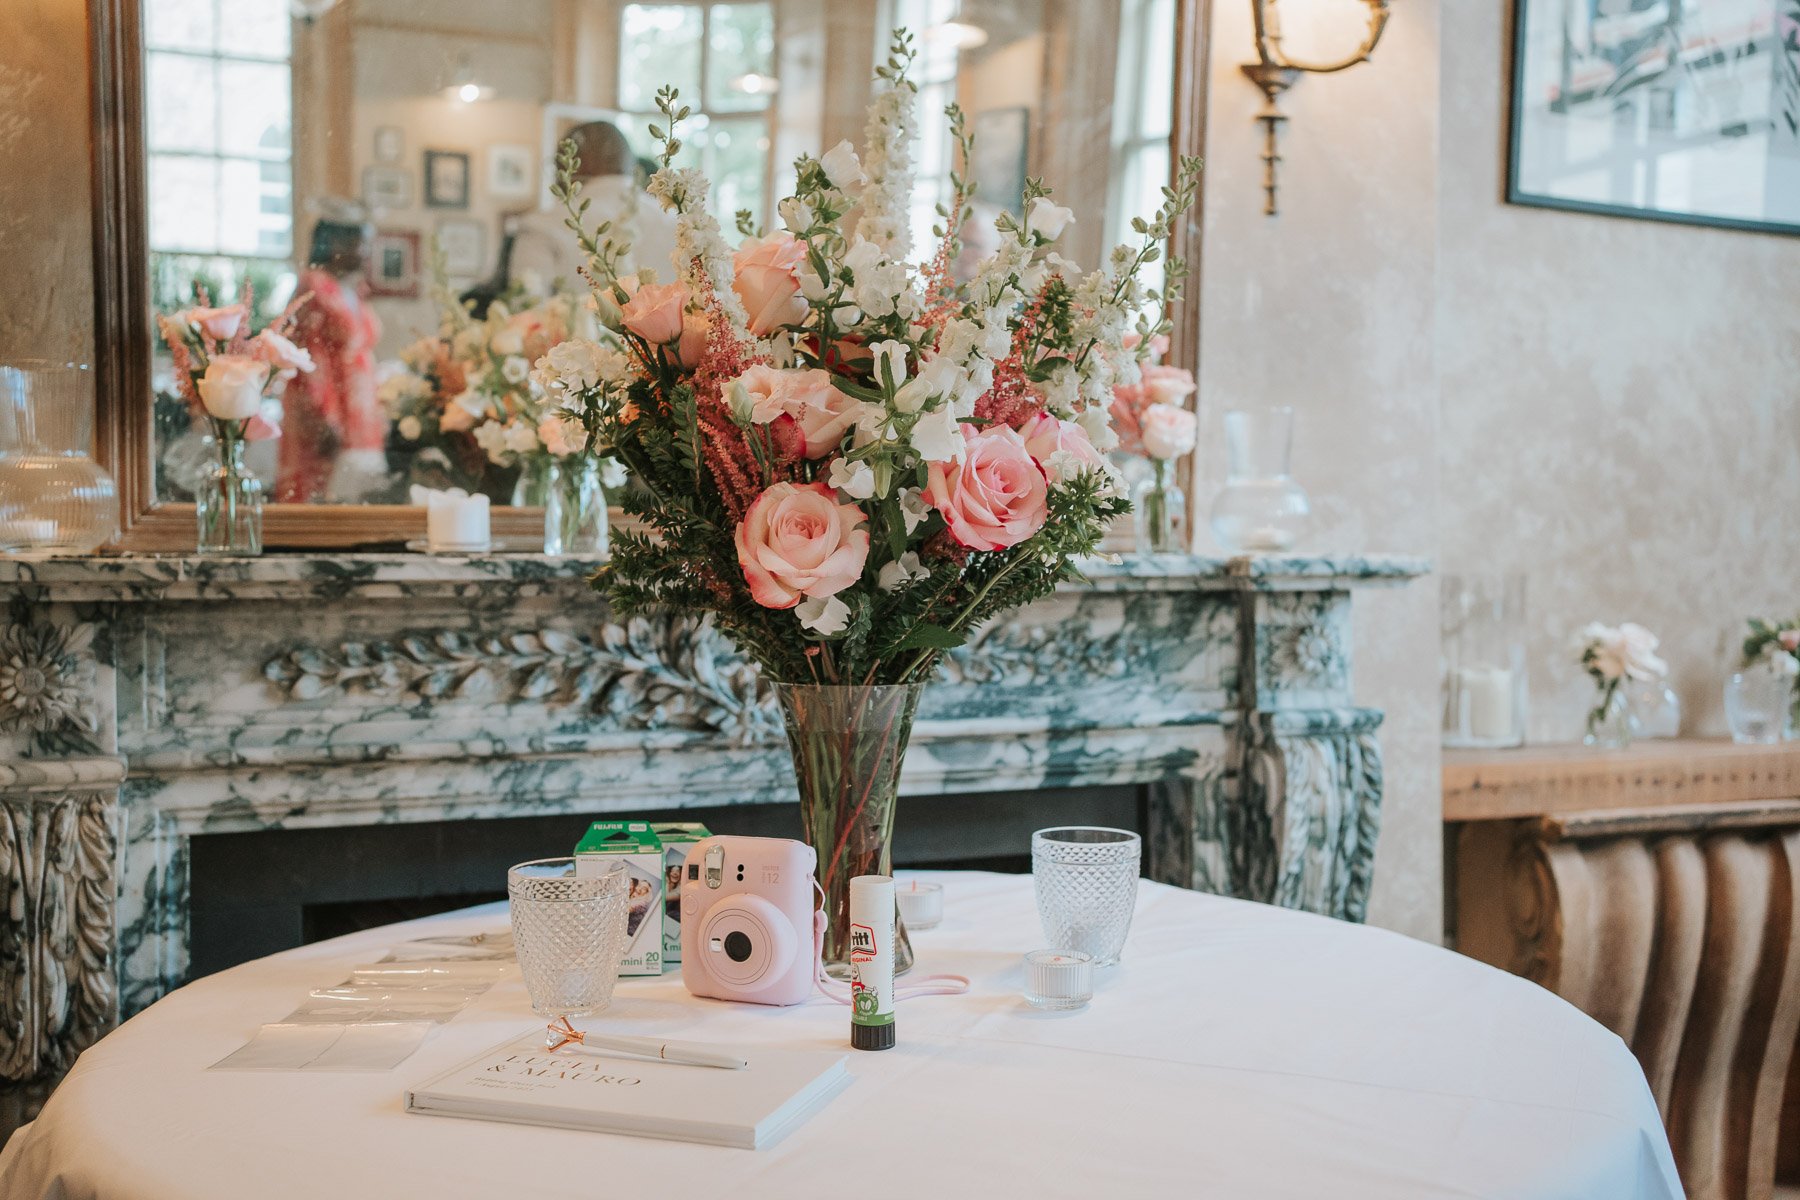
(576, 363)
(900, 572)
(914, 508)
(854, 479)
(1046, 218)
(825, 615)
(842, 167)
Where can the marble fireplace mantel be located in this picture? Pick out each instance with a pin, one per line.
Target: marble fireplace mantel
(145, 701)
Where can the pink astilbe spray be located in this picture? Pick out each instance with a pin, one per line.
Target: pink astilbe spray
(1013, 399)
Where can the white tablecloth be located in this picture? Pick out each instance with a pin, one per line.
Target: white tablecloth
(1238, 1051)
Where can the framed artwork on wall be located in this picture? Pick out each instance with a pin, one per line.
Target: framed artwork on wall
(394, 263)
(509, 172)
(386, 188)
(390, 144)
(463, 243)
(1683, 112)
(446, 179)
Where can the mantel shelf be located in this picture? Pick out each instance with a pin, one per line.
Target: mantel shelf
(1486, 785)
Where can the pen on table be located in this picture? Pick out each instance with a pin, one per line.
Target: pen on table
(692, 1054)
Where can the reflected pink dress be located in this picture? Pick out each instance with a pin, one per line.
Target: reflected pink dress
(333, 407)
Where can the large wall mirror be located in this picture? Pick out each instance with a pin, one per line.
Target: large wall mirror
(390, 156)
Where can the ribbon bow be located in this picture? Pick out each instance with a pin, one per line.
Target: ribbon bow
(564, 1033)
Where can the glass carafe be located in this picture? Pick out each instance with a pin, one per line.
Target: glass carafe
(54, 499)
(1260, 508)
(540, 485)
(584, 528)
(1484, 686)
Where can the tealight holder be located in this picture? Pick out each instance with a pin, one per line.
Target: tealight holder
(1059, 980)
(921, 904)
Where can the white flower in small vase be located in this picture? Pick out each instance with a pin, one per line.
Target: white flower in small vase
(1612, 655)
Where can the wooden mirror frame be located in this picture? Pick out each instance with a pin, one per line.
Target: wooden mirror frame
(124, 438)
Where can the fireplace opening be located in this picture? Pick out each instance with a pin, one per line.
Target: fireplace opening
(253, 894)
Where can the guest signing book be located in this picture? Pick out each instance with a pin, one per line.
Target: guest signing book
(521, 1083)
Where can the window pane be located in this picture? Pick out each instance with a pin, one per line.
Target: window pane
(241, 217)
(258, 28)
(183, 102)
(179, 24)
(737, 158)
(658, 44)
(254, 115)
(183, 209)
(740, 56)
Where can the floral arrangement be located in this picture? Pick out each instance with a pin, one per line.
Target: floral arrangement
(470, 391)
(1611, 655)
(1776, 645)
(224, 372)
(849, 460)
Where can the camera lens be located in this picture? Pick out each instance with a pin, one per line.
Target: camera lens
(737, 946)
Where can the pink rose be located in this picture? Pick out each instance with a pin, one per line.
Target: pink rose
(1789, 639)
(763, 274)
(281, 354)
(996, 497)
(655, 312)
(823, 413)
(1168, 432)
(232, 388)
(1046, 435)
(692, 347)
(1168, 385)
(562, 434)
(221, 323)
(797, 540)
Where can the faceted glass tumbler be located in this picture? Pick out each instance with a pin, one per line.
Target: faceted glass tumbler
(569, 932)
(1086, 879)
(1756, 706)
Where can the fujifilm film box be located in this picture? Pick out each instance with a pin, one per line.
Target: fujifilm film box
(676, 837)
(638, 845)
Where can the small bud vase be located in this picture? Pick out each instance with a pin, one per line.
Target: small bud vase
(1610, 723)
(540, 486)
(584, 517)
(228, 505)
(1160, 509)
(848, 743)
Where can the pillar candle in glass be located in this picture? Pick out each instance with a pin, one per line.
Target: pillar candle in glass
(1483, 627)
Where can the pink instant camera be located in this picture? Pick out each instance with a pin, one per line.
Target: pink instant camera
(747, 920)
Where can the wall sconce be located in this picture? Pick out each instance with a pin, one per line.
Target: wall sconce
(1274, 72)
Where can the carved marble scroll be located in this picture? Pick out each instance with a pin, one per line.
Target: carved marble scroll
(1680, 932)
(58, 995)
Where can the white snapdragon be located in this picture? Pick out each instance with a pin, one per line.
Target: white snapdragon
(888, 169)
(1046, 218)
(855, 479)
(890, 360)
(914, 508)
(936, 437)
(796, 214)
(902, 571)
(824, 615)
(841, 166)
(700, 247)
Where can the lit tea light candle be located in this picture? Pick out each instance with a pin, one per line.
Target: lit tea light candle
(921, 904)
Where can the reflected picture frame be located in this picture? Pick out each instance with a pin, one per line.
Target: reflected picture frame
(1660, 116)
(446, 179)
(509, 175)
(394, 264)
(385, 189)
(463, 243)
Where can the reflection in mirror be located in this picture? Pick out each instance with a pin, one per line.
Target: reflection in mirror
(390, 160)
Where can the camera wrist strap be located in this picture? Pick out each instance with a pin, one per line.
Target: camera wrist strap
(840, 992)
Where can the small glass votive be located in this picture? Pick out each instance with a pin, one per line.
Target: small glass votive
(921, 904)
(1756, 706)
(1059, 980)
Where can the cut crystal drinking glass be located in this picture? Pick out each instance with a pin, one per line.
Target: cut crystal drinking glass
(1086, 881)
(569, 931)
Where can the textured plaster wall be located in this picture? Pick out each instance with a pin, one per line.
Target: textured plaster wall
(1621, 407)
(46, 257)
(1329, 307)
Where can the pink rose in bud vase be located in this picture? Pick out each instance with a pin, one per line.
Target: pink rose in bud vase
(1168, 385)
(996, 497)
(232, 388)
(655, 312)
(763, 276)
(1168, 432)
(221, 323)
(797, 540)
(1789, 639)
(281, 354)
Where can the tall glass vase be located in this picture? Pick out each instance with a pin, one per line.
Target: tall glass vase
(584, 529)
(540, 486)
(1161, 510)
(228, 504)
(848, 743)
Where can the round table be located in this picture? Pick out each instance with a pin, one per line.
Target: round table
(1238, 1051)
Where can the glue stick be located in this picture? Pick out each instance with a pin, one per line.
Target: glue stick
(872, 962)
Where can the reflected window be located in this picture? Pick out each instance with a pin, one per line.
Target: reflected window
(721, 57)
